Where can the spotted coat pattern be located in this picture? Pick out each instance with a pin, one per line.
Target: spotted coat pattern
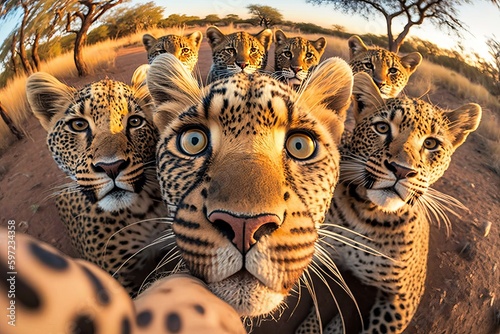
(399, 148)
(102, 136)
(237, 52)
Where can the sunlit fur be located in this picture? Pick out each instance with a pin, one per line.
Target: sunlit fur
(383, 201)
(295, 57)
(389, 71)
(103, 137)
(246, 172)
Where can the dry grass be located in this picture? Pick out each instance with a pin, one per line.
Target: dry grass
(489, 132)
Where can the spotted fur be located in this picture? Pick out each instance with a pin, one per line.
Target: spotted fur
(399, 148)
(102, 136)
(389, 71)
(52, 293)
(250, 165)
(185, 48)
(295, 57)
(237, 52)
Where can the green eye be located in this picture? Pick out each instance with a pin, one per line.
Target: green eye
(300, 146)
(382, 128)
(193, 141)
(431, 143)
(78, 124)
(135, 121)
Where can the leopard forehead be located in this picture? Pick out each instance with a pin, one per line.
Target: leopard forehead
(378, 56)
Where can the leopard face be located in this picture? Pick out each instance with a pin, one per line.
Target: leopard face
(405, 144)
(237, 52)
(185, 48)
(295, 57)
(235, 159)
(101, 136)
(389, 71)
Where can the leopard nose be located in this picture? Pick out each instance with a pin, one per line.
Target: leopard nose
(401, 172)
(242, 65)
(244, 232)
(112, 169)
(296, 69)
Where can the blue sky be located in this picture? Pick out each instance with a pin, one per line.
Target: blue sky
(482, 18)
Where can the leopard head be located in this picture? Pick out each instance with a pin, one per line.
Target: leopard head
(102, 136)
(250, 165)
(237, 52)
(401, 146)
(389, 71)
(295, 57)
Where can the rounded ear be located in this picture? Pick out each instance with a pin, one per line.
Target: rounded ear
(463, 121)
(366, 95)
(148, 41)
(172, 88)
(47, 96)
(196, 37)
(411, 61)
(319, 45)
(356, 46)
(265, 37)
(279, 37)
(214, 36)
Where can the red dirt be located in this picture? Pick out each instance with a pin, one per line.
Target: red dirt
(463, 290)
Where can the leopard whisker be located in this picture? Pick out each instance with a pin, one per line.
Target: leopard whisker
(308, 282)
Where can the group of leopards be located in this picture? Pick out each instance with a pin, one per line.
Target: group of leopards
(210, 203)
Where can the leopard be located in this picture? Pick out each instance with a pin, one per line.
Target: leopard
(237, 52)
(384, 203)
(50, 292)
(185, 48)
(250, 165)
(388, 70)
(103, 138)
(295, 57)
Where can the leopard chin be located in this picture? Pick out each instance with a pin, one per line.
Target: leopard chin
(247, 295)
(117, 199)
(387, 199)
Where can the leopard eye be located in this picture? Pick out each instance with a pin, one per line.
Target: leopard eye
(185, 50)
(381, 127)
(78, 124)
(368, 66)
(393, 70)
(288, 54)
(231, 50)
(253, 50)
(135, 121)
(431, 143)
(300, 146)
(193, 141)
(309, 55)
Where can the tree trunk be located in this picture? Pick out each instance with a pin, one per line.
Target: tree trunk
(13, 55)
(80, 64)
(22, 50)
(10, 124)
(34, 52)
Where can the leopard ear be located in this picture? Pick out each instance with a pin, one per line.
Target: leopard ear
(463, 121)
(356, 46)
(334, 96)
(215, 36)
(411, 61)
(319, 45)
(196, 37)
(366, 95)
(279, 37)
(139, 85)
(47, 96)
(172, 88)
(265, 37)
(148, 41)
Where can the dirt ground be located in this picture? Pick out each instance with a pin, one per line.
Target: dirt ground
(463, 286)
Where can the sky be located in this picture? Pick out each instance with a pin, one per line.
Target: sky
(481, 17)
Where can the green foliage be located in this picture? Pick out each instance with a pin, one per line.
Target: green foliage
(176, 20)
(124, 21)
(98, 34)
(265, 16)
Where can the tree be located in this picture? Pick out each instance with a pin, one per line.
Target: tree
(265, 16)
(442, 13)
(212, 18)
(126, 21)
(87, 12)
(494, 68)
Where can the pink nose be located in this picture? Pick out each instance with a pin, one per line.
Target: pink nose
(244, 231)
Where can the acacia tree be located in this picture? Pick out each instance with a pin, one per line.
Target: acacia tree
(266, 16)
(87, 12)
(442, 13)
